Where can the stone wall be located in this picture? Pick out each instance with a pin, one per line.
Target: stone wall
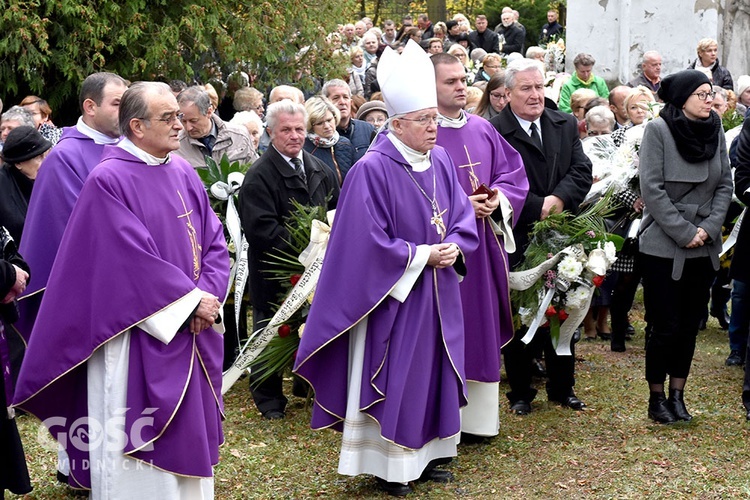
(618, 32)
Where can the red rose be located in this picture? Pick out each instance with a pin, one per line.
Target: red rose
(284, 330)
(294, 278)
(550, 311)
(562, 315)
(598, 280)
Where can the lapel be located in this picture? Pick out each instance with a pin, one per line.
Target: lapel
(552, 129)
(313, 172)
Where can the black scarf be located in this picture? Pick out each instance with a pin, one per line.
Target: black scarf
(697, 140)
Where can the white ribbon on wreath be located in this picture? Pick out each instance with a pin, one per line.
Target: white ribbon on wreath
(312, 258)
(225, 191)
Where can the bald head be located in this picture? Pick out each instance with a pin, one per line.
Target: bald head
(617, 103)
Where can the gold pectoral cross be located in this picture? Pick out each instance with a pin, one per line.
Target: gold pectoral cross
(437, 221)
(472, 175)
(195, 247)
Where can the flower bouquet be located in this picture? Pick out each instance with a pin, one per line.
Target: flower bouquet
(566, 260)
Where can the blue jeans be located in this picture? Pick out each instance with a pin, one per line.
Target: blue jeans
(739, 321)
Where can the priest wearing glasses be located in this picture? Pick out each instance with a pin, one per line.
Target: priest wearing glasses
(384, 342)
(124, 363)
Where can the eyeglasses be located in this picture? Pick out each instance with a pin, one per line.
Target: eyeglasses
(498, 96)
(594, 133)
(168, 120)
(424, 121)
(705, 95)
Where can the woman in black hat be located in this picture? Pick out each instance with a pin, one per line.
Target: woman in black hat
(686, 186)
(23, 152)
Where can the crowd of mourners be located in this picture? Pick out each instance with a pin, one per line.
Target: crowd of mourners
(514, 135)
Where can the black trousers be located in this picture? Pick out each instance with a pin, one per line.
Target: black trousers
(517, 358)
(233, 340)
(269, 394)
(674, 309)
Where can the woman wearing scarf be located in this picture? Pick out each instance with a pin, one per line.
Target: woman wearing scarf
(323, 141)
(686, 187)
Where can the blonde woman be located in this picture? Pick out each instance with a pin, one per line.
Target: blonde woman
(491, 64)
(708, 63)
(323, 141)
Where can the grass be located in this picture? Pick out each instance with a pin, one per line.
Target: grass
(609, 451)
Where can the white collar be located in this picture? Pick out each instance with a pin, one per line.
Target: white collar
(526, 125)
(145, 157)
(289, 158)
(94, 134)
(419, 161)
(453, 122)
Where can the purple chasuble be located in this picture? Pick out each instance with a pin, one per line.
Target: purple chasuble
(56, 190)
(413, 381)
(140, 237)
(481, 155)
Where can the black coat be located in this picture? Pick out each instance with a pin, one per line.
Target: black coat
(265, 201)
(740, 269)
(15, 192)
(514, 38)
(719, 75)
(489, 41)
(562, 169)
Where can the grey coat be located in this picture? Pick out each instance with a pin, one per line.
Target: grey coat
(680, 197)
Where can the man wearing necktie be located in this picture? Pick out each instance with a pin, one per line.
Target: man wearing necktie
(559, 174)
(284, 173)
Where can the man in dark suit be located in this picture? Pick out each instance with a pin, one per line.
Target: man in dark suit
(484, 38)
(559, 176)
(284, 173)
(511, 34)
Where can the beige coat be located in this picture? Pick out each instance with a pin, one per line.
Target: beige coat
(231, 140)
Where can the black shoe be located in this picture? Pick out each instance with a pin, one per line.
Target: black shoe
(467, 438)
(659, 409)
(677, 405)
(723, 318)
(571, 402)
(604, 335)
(747, 417)
(521, 407)
(702, 325)
(436, 475)
(617, 343)
(734, 359)
(393, 489)
(274, 414)
(629, 332)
